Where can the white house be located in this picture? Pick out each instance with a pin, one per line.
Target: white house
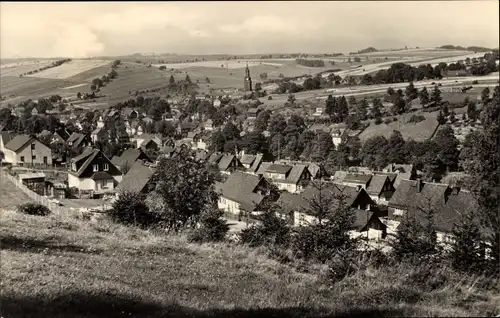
(24, 149)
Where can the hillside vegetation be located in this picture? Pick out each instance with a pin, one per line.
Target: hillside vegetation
(63, 266)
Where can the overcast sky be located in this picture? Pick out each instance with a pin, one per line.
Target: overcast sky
(100, 28)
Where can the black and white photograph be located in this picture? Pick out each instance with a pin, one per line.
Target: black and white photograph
(249, 159)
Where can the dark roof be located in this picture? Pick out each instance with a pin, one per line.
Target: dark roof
(294, 175)
(215, 158)
(62, 133)
(263, 167)
(247, 159)
(278, 168)
(376, 184)
(76, 139)
(18, 142)
(136, 178)
(6, 137)
(86, 152)
(431, 195)
(357, 178)
(129, 156)
(256, 163)
(90, 155)
(225, 162)
(101, 175)
(240, 187)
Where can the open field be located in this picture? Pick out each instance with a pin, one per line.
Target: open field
(416, 131)
(16, 69)
(10, 195)
(69, 69)
(59, 266)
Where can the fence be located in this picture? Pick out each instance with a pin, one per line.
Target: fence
(55, 208)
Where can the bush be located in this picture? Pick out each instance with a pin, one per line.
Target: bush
(378, 121)
(416, 119)
(475, 82)
(34, 209)
(131, 209)
(213, 228)
(271, 231)
(387, 121)
(394, 119)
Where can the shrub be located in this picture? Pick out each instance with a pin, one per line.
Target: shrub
(213, 228)
(34, 209)
(475, 82)
(416, 119)
(378, 121)
(394, 119)
(387, 121)
(271, 231)
(130, 209)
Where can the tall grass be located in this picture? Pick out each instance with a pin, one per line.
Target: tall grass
(63, 266)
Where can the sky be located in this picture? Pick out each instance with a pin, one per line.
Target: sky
(80, 29)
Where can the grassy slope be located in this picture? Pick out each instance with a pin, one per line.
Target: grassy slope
(64, 267)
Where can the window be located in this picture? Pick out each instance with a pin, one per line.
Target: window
(106, 167)
(22, 158)
(45, 160)
(32, 146)
(33, 157)
(104, 184)
(95, 168)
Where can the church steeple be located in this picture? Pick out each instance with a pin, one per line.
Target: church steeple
(248, 80)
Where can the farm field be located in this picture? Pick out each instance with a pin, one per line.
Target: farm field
(141, 274)
(69, 69)
(16, 69)
(416, 131)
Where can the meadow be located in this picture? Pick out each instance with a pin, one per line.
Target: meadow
(65, 266)
(69, 69)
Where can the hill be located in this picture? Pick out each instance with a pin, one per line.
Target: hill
(469, 48)
(62, 266)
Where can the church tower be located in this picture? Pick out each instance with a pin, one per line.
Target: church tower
(248, 80)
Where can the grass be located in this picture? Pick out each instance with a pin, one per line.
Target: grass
(416, 131)
(69, 69)
(10, 195)
(61, 266)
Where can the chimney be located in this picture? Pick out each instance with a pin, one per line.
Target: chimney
(419, 185)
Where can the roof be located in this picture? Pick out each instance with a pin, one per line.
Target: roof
(97, 131)
(136, 178)
(18, 142)
(256, 163)
(240, 187)
(376, 184)
(225, 162)
(295, 173)
(313, 169)
(247, 159)
(62, 133)
(392, 167)
(263, 167)
(6, 137)
(101, 175)
(36, 175)
(86, 152)
(278, 168)
(76, 139)
(357, 178)
(90, 156)
(128, 156)
(407, 196)
(253, 110)
(215, 158)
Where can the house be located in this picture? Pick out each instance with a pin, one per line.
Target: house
(255, 164)
(247, 160)
(129, 113)
(93, 171)
(209, 125)
(291, 178)
(98, 135)
(357, 180)
(201, 141)
(252, 113)
(185, 127)
(242, 193)
(147, 120)
(129, 157)
(380, 189)
(60, 136)
(417, 198)
(228, 164)
(34, 111)
(137, 179)
(147, 141)
(217, 103)
(403, 172)
(5, 137)
(79, 141)
(296, 208)
(24, 149)
(319, 111)
(100, 122)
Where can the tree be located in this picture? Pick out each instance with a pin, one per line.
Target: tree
(485, 95)
(230, 131)
(130, 209)
(395, 148)
(291, 99)
(262, 120)
(188, 79)
(400, 106)
(372, 152)
(447, 145)
(362, 109)
(329, 232)
(254, 142)
(79, 95)
(277, 124)
(424, 96)
(212, 227)
(436, 95)
(93, 87)
(217, 141)
(415, 240)
(465, 249)
(272, 231)
(97, 82)
(377, 106)
(390, 91)
(411, 92)
(441, 119)
(258, 87)
(184, 188)
(322, 146)
(352, 102)
(171, 80)
(472, 112)
(481, 161)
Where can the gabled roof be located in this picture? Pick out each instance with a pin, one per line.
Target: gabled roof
(128, 156)
(256, 163)
(215, 158)
(279, 168)
(376, 184)
(240, 187)
(432, 195)
(247, 159)
(88, 155)
(18, 142)
(225, 162)
(136, 178)
(62, 133)
(294, 175)
(6, 137)
(76, 139)
(263, 167)
(358, 178)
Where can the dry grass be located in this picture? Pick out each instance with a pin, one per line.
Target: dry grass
(59, 266)
(10, 195)
(69, 69)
